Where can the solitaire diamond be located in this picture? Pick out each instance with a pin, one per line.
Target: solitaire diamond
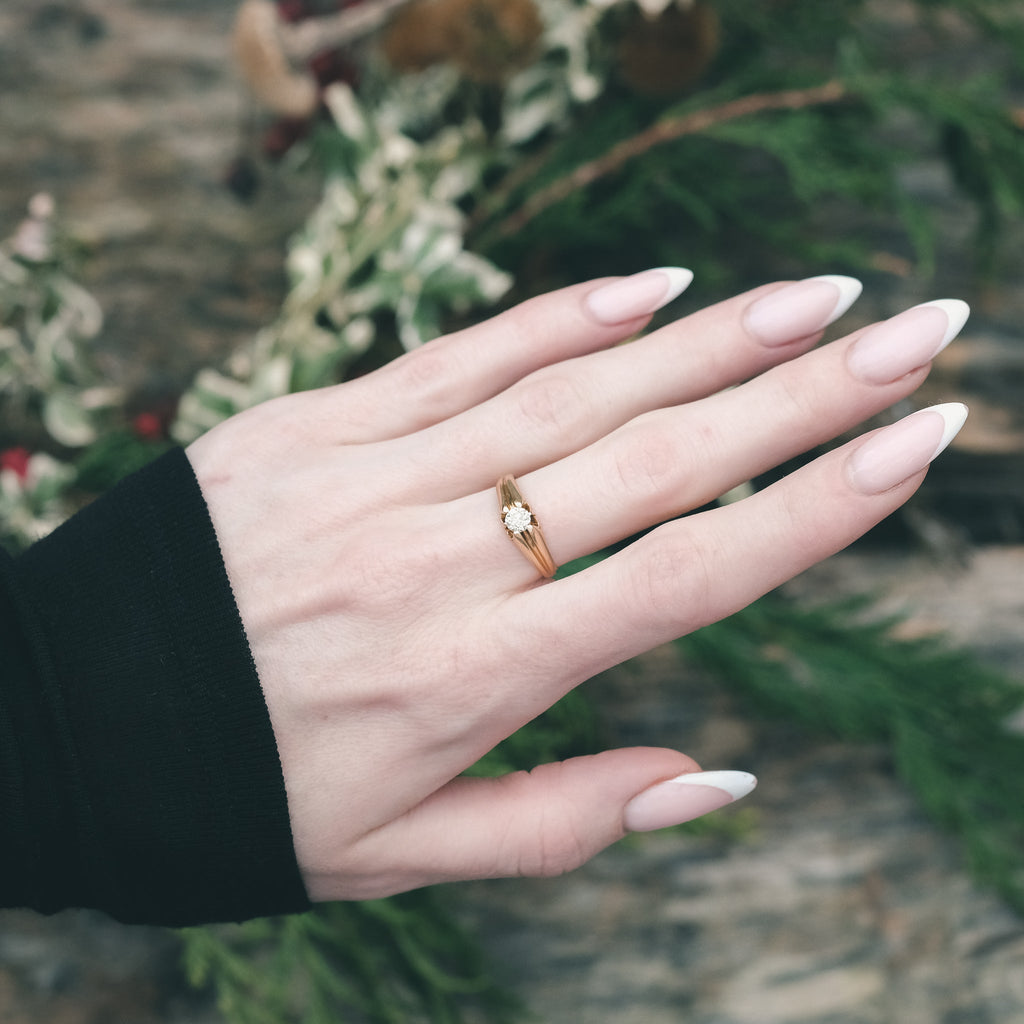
(517, 519)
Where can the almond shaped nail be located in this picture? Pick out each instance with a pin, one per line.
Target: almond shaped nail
(901, 451)
(638, 295)
(684, 798)
(801, 309)
(888, 351)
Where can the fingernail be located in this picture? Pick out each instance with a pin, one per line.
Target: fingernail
(801, 309)
(906, 342)
(898, 452)
(685, 798)
(639, 295)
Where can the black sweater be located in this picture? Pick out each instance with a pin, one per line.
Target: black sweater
(138, 769)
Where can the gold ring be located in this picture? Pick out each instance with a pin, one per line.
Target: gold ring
(521, 525)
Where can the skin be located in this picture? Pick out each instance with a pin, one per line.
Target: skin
(399, 634)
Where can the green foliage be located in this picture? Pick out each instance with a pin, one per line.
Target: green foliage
(941, 714)
(113, 457)
(569, 728)
(384, 248)
(736, 193)
(33, 503)
(398, 961)
(47, 322)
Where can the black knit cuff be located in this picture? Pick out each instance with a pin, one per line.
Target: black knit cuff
(168, 803)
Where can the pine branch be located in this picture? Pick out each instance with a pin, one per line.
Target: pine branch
(668, 130)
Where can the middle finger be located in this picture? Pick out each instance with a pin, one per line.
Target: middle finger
(563, 407)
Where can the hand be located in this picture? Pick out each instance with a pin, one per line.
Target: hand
(399, 634)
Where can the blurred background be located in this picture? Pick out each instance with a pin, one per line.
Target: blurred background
(209, 203)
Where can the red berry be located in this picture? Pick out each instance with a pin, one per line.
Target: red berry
(16, 460)
(148, 426)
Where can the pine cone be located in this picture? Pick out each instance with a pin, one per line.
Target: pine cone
(667, 55)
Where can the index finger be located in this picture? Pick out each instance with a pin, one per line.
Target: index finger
(457, 372)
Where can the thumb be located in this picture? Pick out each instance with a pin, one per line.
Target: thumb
(549, 820)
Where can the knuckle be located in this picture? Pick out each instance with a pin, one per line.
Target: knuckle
(551, 404)
(672, 583)
(426, 376)
(557, 855)
(649, 464)
(797, 396)
(793, 515)
(558, 845)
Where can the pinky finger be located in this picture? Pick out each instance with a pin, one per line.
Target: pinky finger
(691, 572)
(534, 824)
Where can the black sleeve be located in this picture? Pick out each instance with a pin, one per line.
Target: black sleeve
(138, 768)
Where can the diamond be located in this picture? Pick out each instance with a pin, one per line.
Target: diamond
(517, 519)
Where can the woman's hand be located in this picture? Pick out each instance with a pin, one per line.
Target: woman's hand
(399, 633)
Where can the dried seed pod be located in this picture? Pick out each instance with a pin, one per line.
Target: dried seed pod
(668, 54)
(493, 39)
(487, 40)
(418, 36)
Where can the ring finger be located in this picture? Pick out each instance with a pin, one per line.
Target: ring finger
(667, 462)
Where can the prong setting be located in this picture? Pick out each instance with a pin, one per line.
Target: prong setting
(517, 518)
(522, 528)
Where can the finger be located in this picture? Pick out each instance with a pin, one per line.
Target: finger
(565, 406)
(697, 570)
(540, 823)
(671, 461)
(456, 372)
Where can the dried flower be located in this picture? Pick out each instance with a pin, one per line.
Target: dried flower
(34, 238)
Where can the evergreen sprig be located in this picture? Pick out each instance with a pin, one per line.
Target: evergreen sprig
(402, 960)
(727, 191)
(941, 713)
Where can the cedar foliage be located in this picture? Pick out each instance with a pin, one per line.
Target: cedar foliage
(942, 716)
(921, 82)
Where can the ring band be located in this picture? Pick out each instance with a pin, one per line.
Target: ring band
(522, 527)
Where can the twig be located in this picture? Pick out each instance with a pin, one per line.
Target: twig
(303, 40)
(665, 131)
(272, 54)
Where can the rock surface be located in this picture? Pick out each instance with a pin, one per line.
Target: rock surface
(839, 904)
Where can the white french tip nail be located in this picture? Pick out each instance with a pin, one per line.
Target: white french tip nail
(736, 784)
(684, 798)
(955, 416)
(679, 279)
(638, 295)
(849, 292)
(957, 311)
